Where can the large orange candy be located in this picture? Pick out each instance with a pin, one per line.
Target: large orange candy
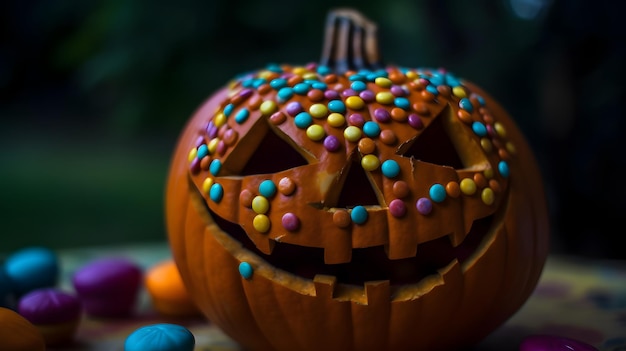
(349, 205)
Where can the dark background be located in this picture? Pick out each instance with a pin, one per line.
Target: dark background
(93, 95)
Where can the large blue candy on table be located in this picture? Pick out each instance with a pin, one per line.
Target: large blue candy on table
(32, 268)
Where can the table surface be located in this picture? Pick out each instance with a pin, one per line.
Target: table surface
(576, 298)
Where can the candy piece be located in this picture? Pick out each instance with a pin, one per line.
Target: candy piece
(160, 337)
(18, 334)
(167, 290)
(55, 313)
(553, 343)
(108, 287)
(32, 268)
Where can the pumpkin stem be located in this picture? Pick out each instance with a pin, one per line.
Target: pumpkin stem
(350, 42)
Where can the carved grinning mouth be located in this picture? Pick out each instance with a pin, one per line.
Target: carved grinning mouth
(367, 264)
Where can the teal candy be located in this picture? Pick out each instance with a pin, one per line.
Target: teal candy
(437, 193)
(216, 192)
(160, 337)
(267, 188)
(245, 269)
(359, 215)
(32, 268)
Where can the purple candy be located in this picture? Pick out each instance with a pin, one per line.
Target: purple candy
(331, 143)
(290, 221)
(397, 90)
(367, 95)
(349, 92)
(108, 287)
(356, 119)
(293, 108)
(49, 306)
(553, 343)
(424, 206)
(382, 115)
(415, 121)
(331, 95)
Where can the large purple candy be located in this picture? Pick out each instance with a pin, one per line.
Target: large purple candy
(553, 343)
(49, 306)
(54, 312)
(108, 287)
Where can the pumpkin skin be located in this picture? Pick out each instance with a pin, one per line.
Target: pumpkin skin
(289, 240)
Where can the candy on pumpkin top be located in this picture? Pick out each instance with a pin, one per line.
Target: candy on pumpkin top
(295, 149)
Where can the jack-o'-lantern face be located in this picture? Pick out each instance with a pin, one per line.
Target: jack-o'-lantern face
(370, 190)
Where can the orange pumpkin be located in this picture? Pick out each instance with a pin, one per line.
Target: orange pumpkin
(348, 205)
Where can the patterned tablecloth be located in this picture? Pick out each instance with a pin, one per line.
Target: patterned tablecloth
(575, 298)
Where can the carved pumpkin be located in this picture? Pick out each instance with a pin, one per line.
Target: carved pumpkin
(348, 205)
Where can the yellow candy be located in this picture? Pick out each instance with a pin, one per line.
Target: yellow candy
(309, 76)
(411, 75)
(352, 133)
(486, 144)
(384, 97)
(219, 120)
(488, 173)
(510, 147)
(260, 204)
(206, 185)
(261, 223)
(315, 132)
(370, 162)
(383, 82)
(192, 154)
(318, 110)
(268, 107)
(468, 187)
(300, 71)
(336, 119)
(487, 196)
(500, 130)
(355, 102)
(212, 146)
(459, 92)
(265, 74)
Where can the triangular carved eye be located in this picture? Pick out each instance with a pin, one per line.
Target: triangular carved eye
(443, 143)
(272, 155)
(434, 146)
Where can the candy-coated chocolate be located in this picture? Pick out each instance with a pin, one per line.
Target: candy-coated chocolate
(54, 312)
(32, 268)
(168, 293)
(108, 287)
(160, 337)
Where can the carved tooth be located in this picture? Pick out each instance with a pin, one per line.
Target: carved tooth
(324, 285)
(378, 292)
(337, 255)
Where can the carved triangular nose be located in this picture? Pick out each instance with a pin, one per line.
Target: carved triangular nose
(357, 188)
(354, 187)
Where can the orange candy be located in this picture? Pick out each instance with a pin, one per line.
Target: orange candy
(168, 292)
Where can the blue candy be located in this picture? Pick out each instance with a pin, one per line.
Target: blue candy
(32, 268)
(160, 337)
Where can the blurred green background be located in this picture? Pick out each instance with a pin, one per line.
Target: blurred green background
(93, 95)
